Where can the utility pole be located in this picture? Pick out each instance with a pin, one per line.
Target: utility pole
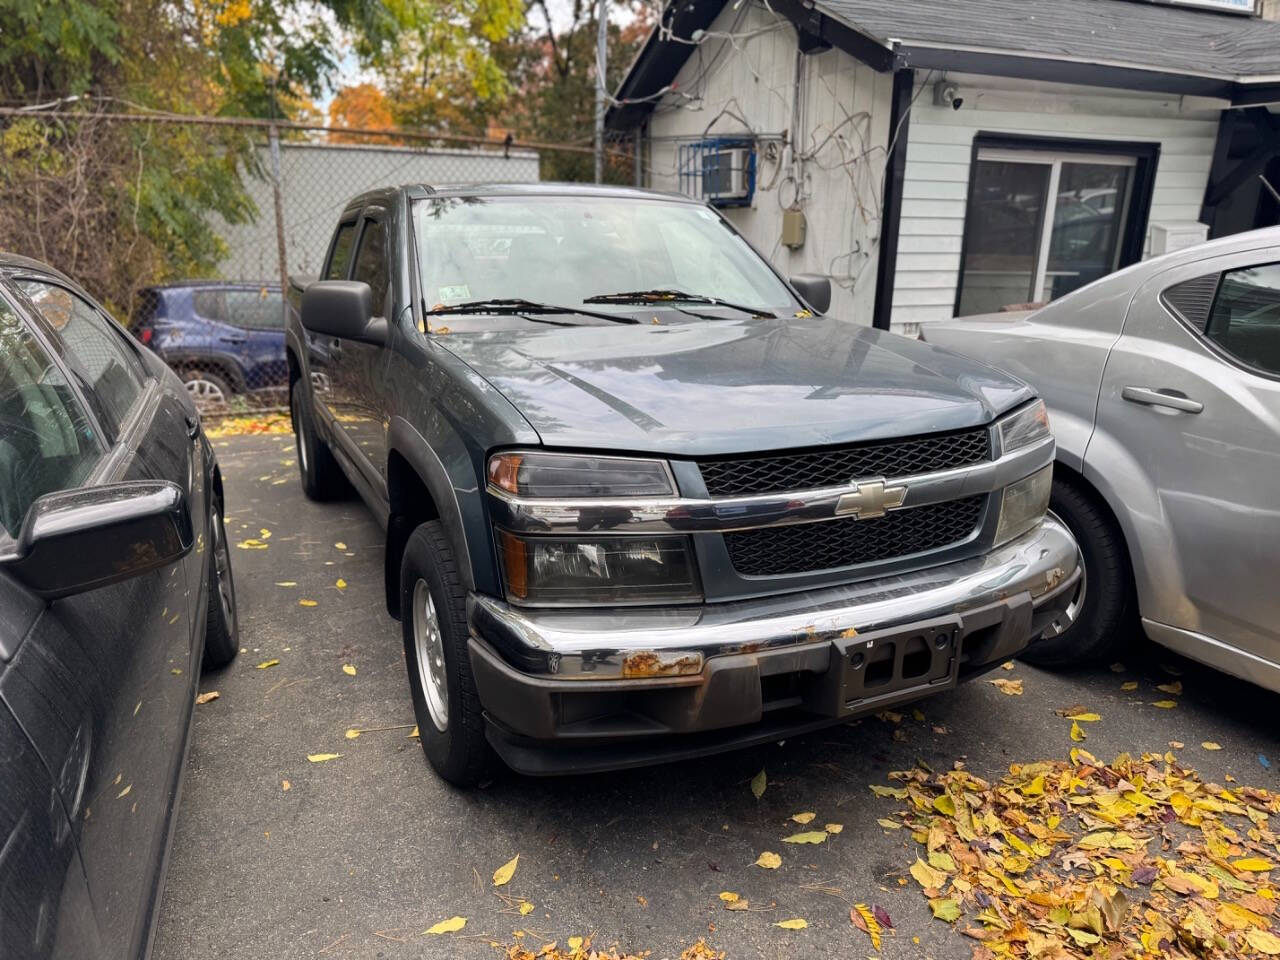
(602, 63)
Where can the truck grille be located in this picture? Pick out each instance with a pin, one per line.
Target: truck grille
(834, 468)
(828, 544)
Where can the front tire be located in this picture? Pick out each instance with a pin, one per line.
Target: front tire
(322, 478)
(222, 624)
(433, 621)
(1100, 621)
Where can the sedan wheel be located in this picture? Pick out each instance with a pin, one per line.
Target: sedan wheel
(208, 390)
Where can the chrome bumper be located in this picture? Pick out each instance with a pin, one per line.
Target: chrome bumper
(674, 643)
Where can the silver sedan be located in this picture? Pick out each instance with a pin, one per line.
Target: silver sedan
(1163, 386)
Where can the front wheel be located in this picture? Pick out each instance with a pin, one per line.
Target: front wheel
(433, 620)
(1099, 621)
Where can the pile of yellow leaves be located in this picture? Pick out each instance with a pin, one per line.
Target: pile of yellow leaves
(267, 423)
(1138, 858)
(579, 949)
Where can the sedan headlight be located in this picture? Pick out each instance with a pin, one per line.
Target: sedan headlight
(541, 474)
(1024, 504)
(1024, 427)
(558, 571)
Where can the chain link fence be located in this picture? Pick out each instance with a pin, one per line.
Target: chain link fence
(185, 228)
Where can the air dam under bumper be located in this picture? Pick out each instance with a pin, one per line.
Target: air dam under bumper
(569, 691)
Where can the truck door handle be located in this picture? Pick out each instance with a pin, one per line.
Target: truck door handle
(193, 426)
(1161, 398)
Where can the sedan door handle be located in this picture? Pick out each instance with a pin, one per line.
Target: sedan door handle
(1161, 398)
(233, 340)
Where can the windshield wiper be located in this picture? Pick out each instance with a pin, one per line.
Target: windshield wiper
(671, 297)
(518, 306)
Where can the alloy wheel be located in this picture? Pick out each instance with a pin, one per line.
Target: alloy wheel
(429, 646)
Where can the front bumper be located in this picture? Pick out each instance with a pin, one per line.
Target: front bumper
(590, 690)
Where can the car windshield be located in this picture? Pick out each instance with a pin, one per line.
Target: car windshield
(567, 250)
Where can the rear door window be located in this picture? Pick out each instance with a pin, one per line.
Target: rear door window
(1245, 319)
(95, 349)
(261, 309)
(47, 441)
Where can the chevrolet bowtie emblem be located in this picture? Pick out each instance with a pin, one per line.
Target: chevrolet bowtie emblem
(870, 498)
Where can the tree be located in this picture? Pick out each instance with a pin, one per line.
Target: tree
(360, 106)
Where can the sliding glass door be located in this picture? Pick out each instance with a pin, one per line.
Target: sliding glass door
(1040, 224)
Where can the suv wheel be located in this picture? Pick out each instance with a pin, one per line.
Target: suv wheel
(222, 626)
(322, 478)
(434, 624)
(1100, 620)
(207, 389)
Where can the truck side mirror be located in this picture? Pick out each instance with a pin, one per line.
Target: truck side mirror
(814, 290)
(342, 309)
(77, 540)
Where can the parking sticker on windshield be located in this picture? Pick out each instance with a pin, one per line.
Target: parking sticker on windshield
(457, 291)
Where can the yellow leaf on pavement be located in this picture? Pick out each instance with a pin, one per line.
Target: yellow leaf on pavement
(803, 818)
(341, 584)
(525, 908)
(1129, 686)
(833, 827)
(758, 783)
(1077, 733)
(267, 663)
(352, 733)
(1165, 704)
(1210, 745)
(927, 876)
(1174, 688)
(252, 544)
(1084, 717)
(206, 697)
(795, 923)
(728, 896)
(285, 785)
(413, 734)
(322, 757)
(306, 603)
(340, 545)
(1253, 864)
(286, 583)
(452, 925)
(1010, 688)
(504, 873)
(574, 943)
(1264, 942)
(349, 670)
(947, 910)
(768, 860)
(809, 836)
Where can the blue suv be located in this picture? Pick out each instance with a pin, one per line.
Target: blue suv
(221, 338)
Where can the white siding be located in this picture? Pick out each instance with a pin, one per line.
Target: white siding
(939, 149)
(753, 79)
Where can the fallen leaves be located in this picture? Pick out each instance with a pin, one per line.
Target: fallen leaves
(271, 423)
(267, 664)
(834, 827)
(769, 860)
(795, 923)
(1210, 745)
(1062, 861)
(862, 917)
(253, 544)
(349, 669)
(502, 876)
(307, 603)
(1165, 704)
(803, 818)
(322, 757)
(758, 784)
(810, 836)
(1010, 688)
(204, 698)
(452, 925)
(340, 584)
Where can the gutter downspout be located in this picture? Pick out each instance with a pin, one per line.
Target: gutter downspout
(891, 209)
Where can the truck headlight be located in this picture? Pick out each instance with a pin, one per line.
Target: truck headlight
(1023, 504)
(540, 474)
(1024, 427)
(559, 571)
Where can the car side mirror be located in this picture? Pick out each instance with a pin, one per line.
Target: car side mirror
(77, 540)
(343, 309)
(814, 290)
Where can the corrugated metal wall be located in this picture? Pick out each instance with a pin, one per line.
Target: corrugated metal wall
(939, 151)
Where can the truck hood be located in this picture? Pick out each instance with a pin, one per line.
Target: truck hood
(701, 388)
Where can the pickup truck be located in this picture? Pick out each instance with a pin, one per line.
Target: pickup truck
(643, 500)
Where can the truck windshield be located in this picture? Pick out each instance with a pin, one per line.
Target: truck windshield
(578, 251)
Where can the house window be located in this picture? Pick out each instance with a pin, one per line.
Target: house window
(1042, 222)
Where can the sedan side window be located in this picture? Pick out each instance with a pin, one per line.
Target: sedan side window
(47, 442)
(371, 264)
(96, 350)
(1245, 320)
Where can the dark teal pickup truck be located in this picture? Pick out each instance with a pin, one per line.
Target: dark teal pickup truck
(643, 500)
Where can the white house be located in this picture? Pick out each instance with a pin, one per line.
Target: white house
(937, 158)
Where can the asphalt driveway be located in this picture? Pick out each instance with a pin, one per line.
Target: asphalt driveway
(276, 856)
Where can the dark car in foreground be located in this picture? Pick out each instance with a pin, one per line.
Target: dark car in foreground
(642, 500)
(222, 338)
(115, 587)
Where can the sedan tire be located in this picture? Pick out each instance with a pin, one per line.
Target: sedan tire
(1100, 621)
(222, 624)
(433, 606)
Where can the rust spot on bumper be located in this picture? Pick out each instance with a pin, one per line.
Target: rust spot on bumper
(646, 663)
